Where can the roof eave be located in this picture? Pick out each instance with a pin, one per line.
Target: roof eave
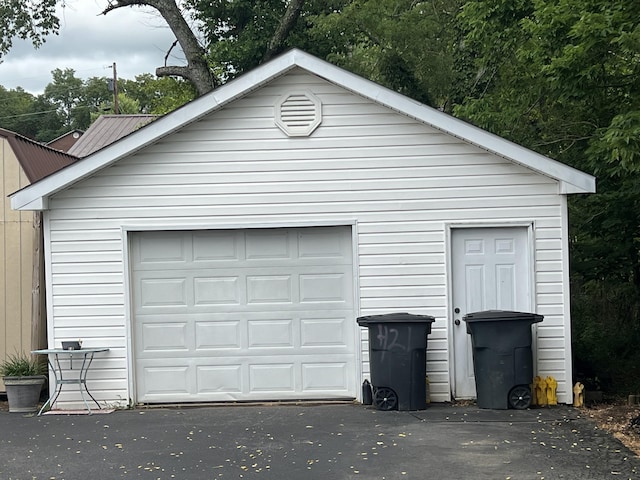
(28, 197)
(570, 179)
(567, 188)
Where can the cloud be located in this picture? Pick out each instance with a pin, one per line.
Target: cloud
(136, 39)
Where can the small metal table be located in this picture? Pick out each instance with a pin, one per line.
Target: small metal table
(53, 357)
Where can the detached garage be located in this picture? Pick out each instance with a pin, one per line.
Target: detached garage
(224, 251)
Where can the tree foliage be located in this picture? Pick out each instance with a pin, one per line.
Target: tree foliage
(27, 19)
(34, 117)
(69, 102)
(244, 33)
(158, 95)
(563, 77)
(67, 92)
(403, 44)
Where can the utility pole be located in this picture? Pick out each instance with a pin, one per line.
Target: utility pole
(115, 90)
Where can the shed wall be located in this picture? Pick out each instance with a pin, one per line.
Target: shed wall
(401, 182)
(16, 261)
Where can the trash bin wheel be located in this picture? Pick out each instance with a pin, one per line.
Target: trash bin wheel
(520, 397)
(385, 398)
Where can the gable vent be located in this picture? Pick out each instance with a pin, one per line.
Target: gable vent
(298, 114)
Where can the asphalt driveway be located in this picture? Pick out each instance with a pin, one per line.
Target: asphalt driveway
(291, 442)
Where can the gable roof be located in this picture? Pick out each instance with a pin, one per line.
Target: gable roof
(35, 197)
(36, 159)
(66, 141)
(106, 130)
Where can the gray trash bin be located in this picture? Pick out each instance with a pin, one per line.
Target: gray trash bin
(398, 359)
(502, 357)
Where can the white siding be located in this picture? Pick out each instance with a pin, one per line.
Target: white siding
(402, 182)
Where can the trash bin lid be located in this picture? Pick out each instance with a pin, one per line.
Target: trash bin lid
(400, 317)
(501, 315)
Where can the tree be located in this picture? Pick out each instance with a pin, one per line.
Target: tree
(36, 22)
(126, 106)
(563, 78)
(197, 70)
(275, 21)
(403, 44)
(47, 122)
(70, 102)
(158, 95)
(242, 34)
(68, 93)
(96, 93)
(15, 106)
(33, 117)
(26, 19)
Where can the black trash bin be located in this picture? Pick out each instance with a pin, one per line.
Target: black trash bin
(502, 358)
(397, 359)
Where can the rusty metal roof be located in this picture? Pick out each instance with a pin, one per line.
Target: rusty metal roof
(106, 130)
(36, 160)
(66, 141)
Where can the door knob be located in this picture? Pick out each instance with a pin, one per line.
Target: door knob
(457, 321)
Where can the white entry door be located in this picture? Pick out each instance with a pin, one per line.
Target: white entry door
(491, 271)
(261, 314)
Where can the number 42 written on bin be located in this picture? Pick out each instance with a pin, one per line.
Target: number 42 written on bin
(388, 338)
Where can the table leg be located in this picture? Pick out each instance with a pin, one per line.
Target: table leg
(53, 396)
(83, 380)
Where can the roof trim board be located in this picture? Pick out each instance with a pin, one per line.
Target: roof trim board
(571, 180)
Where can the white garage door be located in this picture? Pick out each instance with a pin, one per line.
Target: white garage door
(264, 314)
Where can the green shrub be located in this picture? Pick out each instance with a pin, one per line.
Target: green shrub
(22, 365)
(606, 336)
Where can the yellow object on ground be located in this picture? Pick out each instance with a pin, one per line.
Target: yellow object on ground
(552, 387)
(578, 395)
(540, 390)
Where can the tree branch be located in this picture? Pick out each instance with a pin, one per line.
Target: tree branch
(166, 57)
(173, 70)
(197, 70)
(287, 23)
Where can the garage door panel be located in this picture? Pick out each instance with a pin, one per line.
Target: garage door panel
(271, 377)
(269, 289)
(215, 246)
(271, 245)
(243, 379)
(322, 243)
(270, 333)
(219, 378)
(171, 380)
(327, 328)
(152, 250)
(217, 290)
(325, 376)
(218, 335)
(247, 315)
(329, 332)
(161, 292)
(164, 336)
(324, 287)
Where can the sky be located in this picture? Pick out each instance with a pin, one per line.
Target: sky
(136, 39)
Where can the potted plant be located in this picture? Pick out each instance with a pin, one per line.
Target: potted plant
(23, 378)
